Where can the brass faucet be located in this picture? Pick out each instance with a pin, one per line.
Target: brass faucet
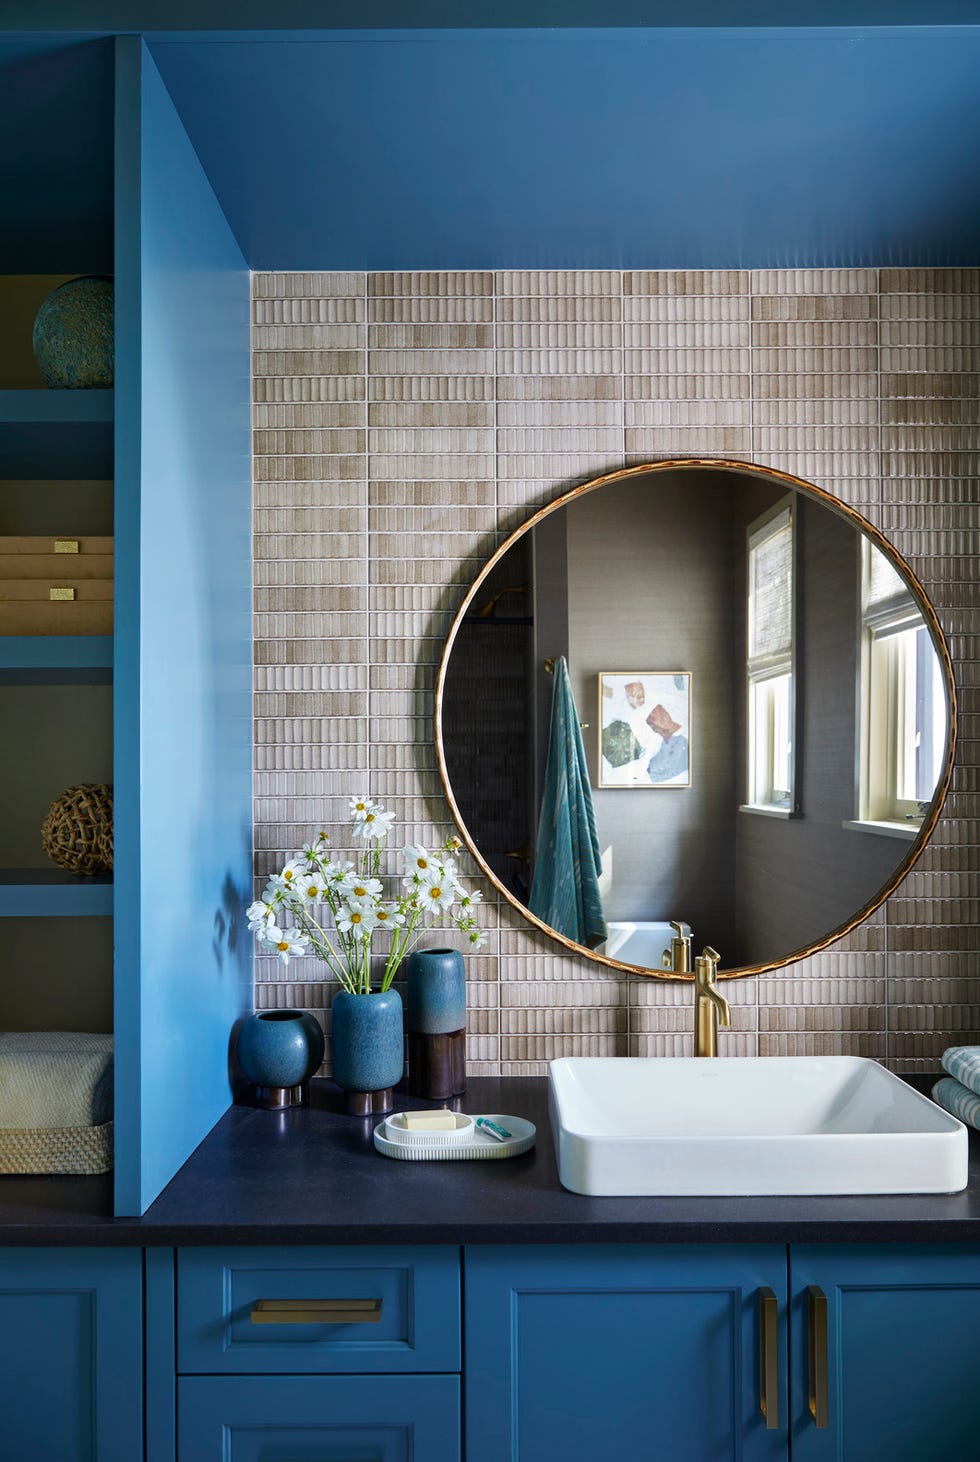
(678, 956)
(710, 1006)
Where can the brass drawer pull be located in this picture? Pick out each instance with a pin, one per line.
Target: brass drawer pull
(316, 1312)
(816, 1314)
(66, 595)
(769, 1357)
(66, 545)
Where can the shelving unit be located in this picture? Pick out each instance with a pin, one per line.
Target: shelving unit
(45, 893)
(56, 434)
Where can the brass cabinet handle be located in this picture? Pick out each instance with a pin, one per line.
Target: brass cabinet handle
(316, 1312)
(769, 1357)
(816, 1325)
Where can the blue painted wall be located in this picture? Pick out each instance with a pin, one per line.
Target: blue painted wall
(578, 149)
(183, 642)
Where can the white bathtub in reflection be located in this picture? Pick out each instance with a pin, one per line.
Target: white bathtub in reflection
(638, 944)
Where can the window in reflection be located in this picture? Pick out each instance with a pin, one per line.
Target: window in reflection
(903, 700)
(771, 653)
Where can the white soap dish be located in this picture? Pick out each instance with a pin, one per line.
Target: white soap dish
(396, 1131)
(467, 1144)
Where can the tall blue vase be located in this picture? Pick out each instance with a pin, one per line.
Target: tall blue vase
(436, 1024)
(279, 1050)
(367, 1043)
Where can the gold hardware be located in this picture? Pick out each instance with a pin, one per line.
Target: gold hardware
(769, 1357)
(710, 1006)
(680, 948)
(316, 1312)
(491, 604)
(816, 1325)
(66, 545)
(549, 665)
(61, 593)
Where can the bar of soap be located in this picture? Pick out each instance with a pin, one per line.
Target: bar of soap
(429, 1121)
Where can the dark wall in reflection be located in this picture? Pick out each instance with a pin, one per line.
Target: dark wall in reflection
(650, 579)
(488, 719)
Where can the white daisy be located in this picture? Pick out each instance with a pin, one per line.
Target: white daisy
(284, 941)
(260, 915)
(389, 916)
(355, 888)
(375, 825)
(417, 861)
(436, 891)
(477, 938)
(354, 919)
(360, 807)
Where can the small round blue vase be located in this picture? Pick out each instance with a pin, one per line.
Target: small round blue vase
(436, 991)
(368, 1048)
(74, 335)
(279, 1050)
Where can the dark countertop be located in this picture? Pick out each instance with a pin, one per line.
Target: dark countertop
(312, 1176)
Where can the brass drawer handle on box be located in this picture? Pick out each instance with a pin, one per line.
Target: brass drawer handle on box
(816, 1311)
(316, 1312)
(769, 1357)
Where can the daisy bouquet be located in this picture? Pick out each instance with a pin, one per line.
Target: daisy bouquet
(332, 907)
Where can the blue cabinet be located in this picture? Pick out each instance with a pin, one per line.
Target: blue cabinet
(318, 1419)
(594, 1351)
(318, 1354)
(71, 1363)
(884, 1346)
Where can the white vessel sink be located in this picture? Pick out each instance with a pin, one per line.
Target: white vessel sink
(634, 1126)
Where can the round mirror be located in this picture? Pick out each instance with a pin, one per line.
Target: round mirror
(696, 692)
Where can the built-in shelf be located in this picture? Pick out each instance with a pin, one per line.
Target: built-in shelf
(56, 434)
(55, 659)
(31, 893)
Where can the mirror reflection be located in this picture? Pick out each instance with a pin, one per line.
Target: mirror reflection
(700, 694)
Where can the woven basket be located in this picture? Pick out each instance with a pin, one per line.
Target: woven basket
(56, 1149)
(77, 832)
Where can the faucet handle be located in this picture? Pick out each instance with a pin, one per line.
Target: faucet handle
(682, 930)
(713, 956)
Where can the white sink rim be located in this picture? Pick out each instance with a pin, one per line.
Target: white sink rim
(843, 1125)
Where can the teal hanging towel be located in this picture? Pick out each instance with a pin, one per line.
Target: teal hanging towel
(565, 889)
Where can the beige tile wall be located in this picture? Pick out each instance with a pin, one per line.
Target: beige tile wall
(405, 422)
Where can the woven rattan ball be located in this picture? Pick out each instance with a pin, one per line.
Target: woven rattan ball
(77, 832)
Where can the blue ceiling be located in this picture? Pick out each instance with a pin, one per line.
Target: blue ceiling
(603, 148)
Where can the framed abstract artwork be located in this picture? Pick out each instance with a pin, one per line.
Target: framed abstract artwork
(645, 728)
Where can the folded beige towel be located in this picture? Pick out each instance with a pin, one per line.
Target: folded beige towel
(54, 1079)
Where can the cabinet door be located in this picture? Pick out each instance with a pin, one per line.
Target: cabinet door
(71, 1355)
(884, 1347)
(318, 1418)
(581, 1352)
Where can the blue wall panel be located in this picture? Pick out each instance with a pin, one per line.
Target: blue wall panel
(183, 672)
(591, 149)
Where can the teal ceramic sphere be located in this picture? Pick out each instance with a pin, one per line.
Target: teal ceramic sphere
(367, 1040)
(280, 1047)
(73, 335)
(436, 991)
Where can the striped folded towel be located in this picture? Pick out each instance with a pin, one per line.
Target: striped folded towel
(958, 1099)
(963, 1062)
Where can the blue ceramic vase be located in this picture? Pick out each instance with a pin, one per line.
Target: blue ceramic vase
(367, 1044)
(436, 1024)
(73, 335)
(436, 991)
(279, 1050)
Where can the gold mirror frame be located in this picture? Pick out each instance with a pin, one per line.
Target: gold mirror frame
(769, 474)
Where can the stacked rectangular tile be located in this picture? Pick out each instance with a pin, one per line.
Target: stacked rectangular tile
(559, 360)
(432, 522)
(930, 398)
(584, 371)
(686, 364)
(311, 599)
(815, 414)
(686, 394)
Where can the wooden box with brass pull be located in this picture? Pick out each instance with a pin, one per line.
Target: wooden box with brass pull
(56, 586)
